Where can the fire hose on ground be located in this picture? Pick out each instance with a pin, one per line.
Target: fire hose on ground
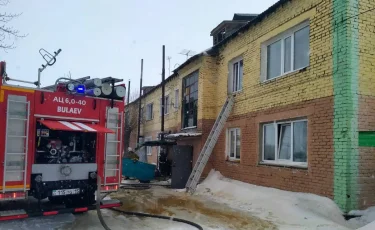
(139, 214)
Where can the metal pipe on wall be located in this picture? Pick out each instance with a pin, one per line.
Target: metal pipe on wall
(140, 103)
(127, 100)
(163, 95)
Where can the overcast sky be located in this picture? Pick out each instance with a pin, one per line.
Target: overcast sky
(109, 38)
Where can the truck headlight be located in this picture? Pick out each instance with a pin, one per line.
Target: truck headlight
(70, 87)
(39, 178)
(93, 175)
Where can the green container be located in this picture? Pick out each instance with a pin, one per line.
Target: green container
(142, 171)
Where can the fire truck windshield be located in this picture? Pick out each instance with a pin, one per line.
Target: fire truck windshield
(62, 147)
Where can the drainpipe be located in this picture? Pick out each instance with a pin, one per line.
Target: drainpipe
(139, 104)
(163, 95)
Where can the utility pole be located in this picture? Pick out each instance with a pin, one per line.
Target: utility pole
(162, 95)
(139, 104)
(127, 124)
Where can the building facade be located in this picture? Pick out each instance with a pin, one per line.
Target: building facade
(302, 76)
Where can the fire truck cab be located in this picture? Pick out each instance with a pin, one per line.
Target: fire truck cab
(56, 141)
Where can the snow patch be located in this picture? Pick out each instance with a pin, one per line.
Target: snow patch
(365, 217)
(282, 207)
(176, 135)
(370, 226)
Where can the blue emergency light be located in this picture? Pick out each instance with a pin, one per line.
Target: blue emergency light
(80, 89)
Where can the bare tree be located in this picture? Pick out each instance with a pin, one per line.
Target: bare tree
(8, 34)
(131, 120)
(134, 96)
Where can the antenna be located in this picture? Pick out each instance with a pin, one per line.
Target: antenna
(68, 75)
(169, 65)
(187, 53)
(49, 58)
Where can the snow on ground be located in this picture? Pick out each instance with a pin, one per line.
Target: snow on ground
(218, 204)
(43, 223)
(366, 219)
(370, 226)
(288, 210)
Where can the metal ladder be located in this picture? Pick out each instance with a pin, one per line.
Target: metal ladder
(118, 141)
(206, 151)
(21, 138)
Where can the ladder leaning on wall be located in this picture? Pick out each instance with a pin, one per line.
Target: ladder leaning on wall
(206, 151)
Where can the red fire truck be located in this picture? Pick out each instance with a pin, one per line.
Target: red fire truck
(56, 141)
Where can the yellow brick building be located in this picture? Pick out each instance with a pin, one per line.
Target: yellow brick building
(302, 76)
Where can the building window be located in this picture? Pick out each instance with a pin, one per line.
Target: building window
(176, 98)
(285, 142)
(142, 114)
(234, 143)
(236, 75)
(148, 148)
(219, 36)
(288, 52)
(166, 105)
(149, 111)
(190, 100)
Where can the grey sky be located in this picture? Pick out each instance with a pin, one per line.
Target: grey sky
(108, 38)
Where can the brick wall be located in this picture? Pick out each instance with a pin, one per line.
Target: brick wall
(313, 82)
(366, 118)
(317, 178)
(366, 48)
(366, 176)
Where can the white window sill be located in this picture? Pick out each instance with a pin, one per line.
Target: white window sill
(233, 160)
(301, 165)
(236, 92)
(165, 114)
(191, 127)
(149, 154)
(284, 75)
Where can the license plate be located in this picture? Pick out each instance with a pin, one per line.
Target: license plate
(64, 192)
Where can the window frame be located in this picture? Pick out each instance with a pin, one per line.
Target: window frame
(231, 76)
(148, 148)
(147, 111)
(176, 99)
(229, 144)
(192, 105)
(220, 36)
(284, 162)
(142, 114)
(166, 106)
(281, 37)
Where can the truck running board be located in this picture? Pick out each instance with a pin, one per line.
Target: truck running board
(22, 214)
